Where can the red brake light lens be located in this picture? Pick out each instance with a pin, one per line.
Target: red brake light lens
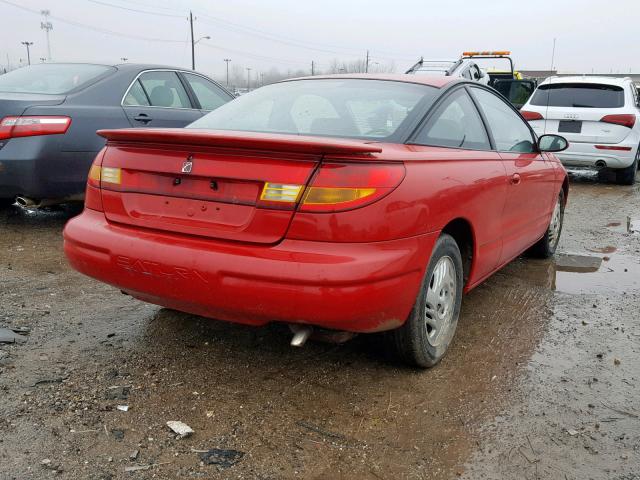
(339, 187)
(529, 116)
(626, 120)
(93, 197)
(28, 126)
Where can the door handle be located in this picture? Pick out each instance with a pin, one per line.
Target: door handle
(142, 117)
(515, 179)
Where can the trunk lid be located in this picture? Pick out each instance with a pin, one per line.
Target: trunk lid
(580, 125)
(209, 183)
(14, 104)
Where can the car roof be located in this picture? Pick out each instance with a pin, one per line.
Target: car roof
(619, 81)
(432, 81)
(120, 66)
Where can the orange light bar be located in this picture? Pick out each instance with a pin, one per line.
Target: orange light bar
(496, 53)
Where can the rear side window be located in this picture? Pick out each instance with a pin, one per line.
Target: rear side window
(510, 132)
(579, 95)
(208, 93)
(136, 96)
(455, 123)
(53, 79)
(164, 89)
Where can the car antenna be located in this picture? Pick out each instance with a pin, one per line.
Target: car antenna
(546, 113)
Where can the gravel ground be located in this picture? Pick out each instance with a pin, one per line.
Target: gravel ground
(542, 380)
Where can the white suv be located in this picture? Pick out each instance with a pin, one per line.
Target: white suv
(599, 116)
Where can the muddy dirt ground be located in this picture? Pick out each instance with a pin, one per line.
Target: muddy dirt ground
(542, 380)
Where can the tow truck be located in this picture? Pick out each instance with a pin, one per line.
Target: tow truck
(508, 82)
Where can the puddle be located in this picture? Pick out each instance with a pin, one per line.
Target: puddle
(584, 274)
(618, 274)
(629, 225)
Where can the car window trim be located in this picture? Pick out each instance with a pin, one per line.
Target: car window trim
(144, 90)
(183, 75)
(534, 137)
(177, 72)
(193, 99)
(427, 116)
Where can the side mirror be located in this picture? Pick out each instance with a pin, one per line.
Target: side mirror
(552, 143)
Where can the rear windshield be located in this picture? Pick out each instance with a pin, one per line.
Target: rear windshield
(354, 108)
(579, 95)
(54, 79)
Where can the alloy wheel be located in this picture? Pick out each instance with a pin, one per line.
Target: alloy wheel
(440, 300)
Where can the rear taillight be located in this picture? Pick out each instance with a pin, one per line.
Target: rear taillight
(626, 120)
(339, 187)
(529, 116)
(93, 197)
(28, 126)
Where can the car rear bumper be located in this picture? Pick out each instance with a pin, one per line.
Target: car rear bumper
(35, 167)
(364, 287)
(587, 155)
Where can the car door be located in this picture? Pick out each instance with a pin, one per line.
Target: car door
(207, 94)
(159, 99)
(530, 196)
(463, 176)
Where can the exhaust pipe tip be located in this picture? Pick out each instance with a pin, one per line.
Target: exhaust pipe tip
(300, 335)
(25, 202)
(601, 164)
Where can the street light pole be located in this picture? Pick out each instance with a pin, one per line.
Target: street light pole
(47, 27)
(248, 78)
(28, 44)
(193, 43)
(227, 60)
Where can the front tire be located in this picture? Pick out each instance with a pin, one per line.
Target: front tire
(425, 337)
(547, 245)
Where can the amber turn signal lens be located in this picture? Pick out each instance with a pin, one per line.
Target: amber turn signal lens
(332, 196)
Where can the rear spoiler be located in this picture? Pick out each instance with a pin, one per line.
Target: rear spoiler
(236, 139)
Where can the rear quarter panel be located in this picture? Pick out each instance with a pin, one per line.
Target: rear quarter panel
(440, 185)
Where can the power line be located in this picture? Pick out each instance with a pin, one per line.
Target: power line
(159, 14)
(256, 56)
(93, 28)
(212, 20)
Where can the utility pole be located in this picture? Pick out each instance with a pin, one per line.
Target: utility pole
(193, 43)
(248, 78)
(366, 63)
(227, 60)
(313, 72)
(28, 44)
(262, 79)
(47, 26)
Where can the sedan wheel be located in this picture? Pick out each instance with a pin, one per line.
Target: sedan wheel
(425, 337)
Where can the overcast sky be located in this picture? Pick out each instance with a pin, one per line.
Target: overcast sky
(592, 35)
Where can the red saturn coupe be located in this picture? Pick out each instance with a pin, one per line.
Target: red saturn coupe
(357, 203)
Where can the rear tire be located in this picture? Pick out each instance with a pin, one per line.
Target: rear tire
(546, 246)
(627, 176)
(425, 337)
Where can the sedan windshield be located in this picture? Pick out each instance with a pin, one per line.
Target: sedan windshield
(356, 108)
(53, 78)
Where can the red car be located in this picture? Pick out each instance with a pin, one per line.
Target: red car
(359, 203)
